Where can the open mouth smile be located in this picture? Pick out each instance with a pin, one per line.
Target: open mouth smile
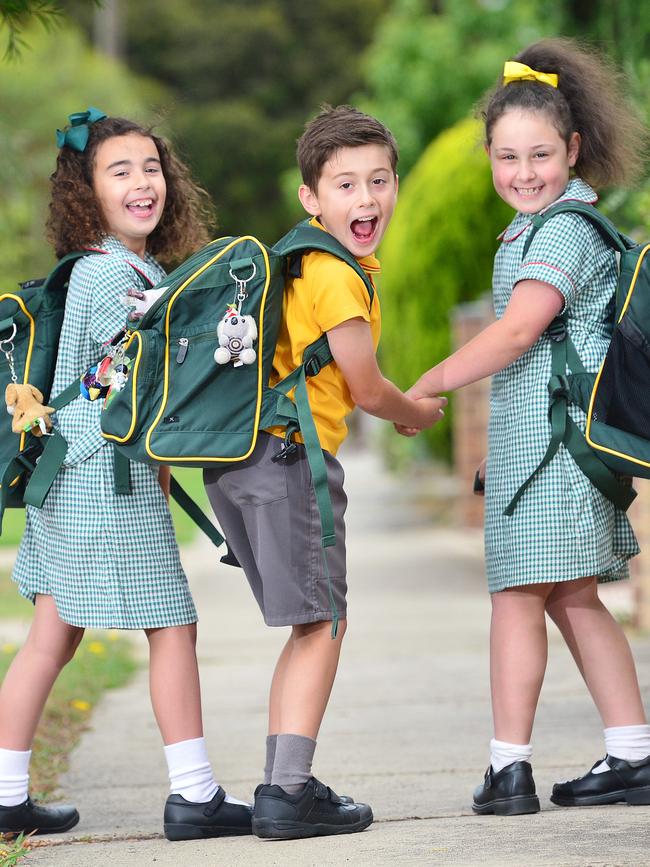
(364, 229)
(141, 207)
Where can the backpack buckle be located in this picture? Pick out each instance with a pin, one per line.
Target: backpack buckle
(313, 366)
(557, 330)
(558, 388)
(288, 446)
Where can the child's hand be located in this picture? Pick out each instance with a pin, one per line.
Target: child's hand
(140, 301)
(431, 409)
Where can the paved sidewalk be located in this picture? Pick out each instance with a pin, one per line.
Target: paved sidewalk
(407, 727)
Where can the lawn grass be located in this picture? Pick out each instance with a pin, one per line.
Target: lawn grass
(191, 480)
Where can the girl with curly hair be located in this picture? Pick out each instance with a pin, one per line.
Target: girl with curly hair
(92, 558)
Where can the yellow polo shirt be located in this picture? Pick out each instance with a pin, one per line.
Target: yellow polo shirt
(327, 293)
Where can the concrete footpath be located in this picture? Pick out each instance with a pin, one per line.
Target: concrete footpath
(407, 728)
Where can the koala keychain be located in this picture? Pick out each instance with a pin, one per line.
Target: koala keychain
(236, 331)
(236, 334)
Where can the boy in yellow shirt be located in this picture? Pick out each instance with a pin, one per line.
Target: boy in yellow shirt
(267, 508)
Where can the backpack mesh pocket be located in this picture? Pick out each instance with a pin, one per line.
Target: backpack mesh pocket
(623, 393)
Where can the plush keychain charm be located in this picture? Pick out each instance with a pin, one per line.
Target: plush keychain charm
(236, 334)
(25, 404)
(109, 375)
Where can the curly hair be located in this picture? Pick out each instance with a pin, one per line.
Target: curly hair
(75, 216)
(588, 100)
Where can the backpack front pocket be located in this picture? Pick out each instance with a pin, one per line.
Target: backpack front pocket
(622, 398)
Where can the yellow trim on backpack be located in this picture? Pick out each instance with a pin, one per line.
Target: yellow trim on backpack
(28, 360)
(260, 354)
(133, 377)
(633, 281)
(594, 445)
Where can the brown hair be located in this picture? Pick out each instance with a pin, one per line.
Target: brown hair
(76, 221)
(335, 128)
(588, 100)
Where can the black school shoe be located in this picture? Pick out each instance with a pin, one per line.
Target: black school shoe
(510, 792)
(185, 820)
(344, 799)
(625, 781)
(30, 818)
(316, 811)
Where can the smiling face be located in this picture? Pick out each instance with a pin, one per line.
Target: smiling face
(531, 162)
(355, 196)
(130, 188)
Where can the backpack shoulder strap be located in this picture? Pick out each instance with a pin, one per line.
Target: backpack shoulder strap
(607, 230)
(304, 238)
(59, 276)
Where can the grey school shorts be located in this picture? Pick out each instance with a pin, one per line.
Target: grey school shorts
(269, 516)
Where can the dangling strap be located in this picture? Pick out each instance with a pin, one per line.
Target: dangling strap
(564, 429)
(45, 471)
(195, 512)
(300, 410)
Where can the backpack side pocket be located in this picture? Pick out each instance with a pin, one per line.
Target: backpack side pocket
(124, 411)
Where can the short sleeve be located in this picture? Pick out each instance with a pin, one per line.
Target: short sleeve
(107, 280)
(339, 294)
(563, 253)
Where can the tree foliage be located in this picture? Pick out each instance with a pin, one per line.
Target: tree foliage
(37, 93)
(244, 76)
(438, 253)
(425, 69)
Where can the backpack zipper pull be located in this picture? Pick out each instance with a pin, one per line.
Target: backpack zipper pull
(183, 346)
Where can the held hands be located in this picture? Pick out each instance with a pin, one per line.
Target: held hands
(431, 410)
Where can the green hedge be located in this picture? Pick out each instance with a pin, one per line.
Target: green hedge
(438, 253)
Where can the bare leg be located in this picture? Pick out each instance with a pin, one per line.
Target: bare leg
(518, 653)
(276, 687)
(303, 679)
(51, 643)
(174, 682)
(600, 650)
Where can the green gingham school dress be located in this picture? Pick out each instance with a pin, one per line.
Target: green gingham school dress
(108, 560)
(562, 527)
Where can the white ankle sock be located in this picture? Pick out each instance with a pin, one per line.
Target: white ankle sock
(190, 772)
(631, 743)
(14, 776)
(503, 754)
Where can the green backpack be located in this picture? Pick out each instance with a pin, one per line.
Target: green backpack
(616, 399)
(193, 385)
(30, 326)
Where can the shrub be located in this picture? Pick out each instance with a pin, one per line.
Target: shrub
(437, 253)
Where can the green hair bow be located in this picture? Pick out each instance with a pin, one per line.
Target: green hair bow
(75, 135)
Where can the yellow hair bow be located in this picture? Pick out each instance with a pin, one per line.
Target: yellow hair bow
(514, 71)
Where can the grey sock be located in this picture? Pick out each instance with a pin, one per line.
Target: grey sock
(292, 765)
(271, 742)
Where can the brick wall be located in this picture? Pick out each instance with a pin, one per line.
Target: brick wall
(471, 410)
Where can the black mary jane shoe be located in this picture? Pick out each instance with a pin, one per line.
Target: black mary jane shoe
(31, 818)
(625, 781)
(510, 792)
(185, 820)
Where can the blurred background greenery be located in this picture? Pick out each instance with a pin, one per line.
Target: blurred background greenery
(232, 82)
